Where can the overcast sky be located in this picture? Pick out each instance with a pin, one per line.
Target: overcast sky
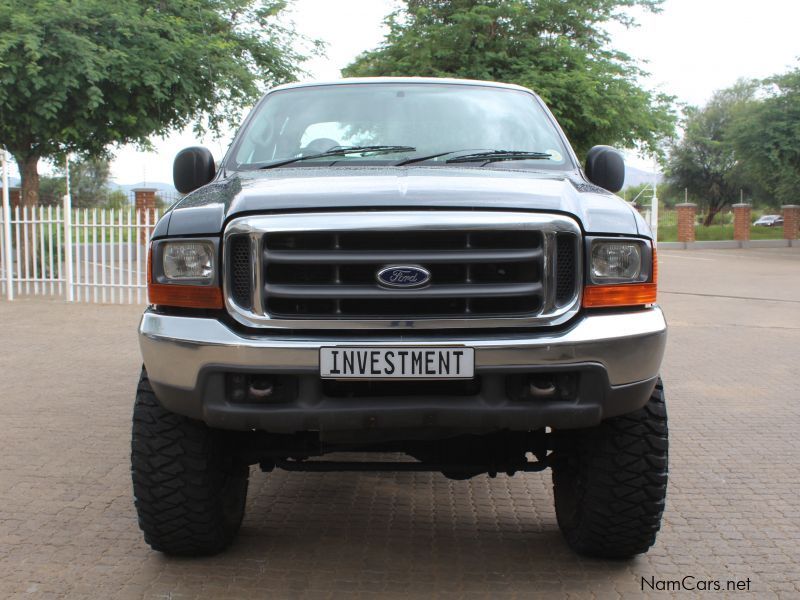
(691, 49)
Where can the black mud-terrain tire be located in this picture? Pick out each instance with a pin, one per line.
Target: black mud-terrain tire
(188, 490)
(610, 482)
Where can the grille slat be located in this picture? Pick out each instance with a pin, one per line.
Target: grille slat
(398, 257)
(375, 292)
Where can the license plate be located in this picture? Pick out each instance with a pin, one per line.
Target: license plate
(344, 362)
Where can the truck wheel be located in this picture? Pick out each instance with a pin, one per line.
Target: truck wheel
(610, 482)
(188, 490)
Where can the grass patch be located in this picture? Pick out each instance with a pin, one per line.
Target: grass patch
(714, 233)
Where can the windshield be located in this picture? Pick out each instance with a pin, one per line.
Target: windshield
(412, 120)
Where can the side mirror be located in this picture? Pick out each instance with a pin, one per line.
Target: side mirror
(193, 167)
(606, 168)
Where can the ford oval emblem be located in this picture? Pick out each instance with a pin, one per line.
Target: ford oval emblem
(403, 276)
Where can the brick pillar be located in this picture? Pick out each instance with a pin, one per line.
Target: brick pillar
(687, 213)
(145, 203)
(791, 221)
(741, 222)
(14, 196)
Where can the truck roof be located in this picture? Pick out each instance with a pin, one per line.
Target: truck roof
(416, 80)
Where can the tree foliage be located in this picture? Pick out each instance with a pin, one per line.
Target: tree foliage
(117, 200)
(51, 190)
(81, 75)
(765, 139)
(560, 49)
(704, 160)
(88, 183)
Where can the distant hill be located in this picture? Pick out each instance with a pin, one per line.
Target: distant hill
(634, 176)
(167, 190)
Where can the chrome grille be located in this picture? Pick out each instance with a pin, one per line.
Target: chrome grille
(334, 274)
(487, 269)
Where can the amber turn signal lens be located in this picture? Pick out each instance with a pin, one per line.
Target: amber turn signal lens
(186, 296)
(626, 294)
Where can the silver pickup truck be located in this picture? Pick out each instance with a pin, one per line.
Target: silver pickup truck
(413, 267)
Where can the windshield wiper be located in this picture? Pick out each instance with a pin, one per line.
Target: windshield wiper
(416, 159)
(485, 155)
(498, 155)
(341, 151)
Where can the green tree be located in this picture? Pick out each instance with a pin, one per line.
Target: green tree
(559, 49)
(117, 199)
(81, 75)
(51, 190)
(765, 139)
(704, 160)
(88, 182)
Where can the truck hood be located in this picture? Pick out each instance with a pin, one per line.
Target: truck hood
(206, 210)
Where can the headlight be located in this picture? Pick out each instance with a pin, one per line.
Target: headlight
(619, 261)
(183, 273)
(188, 261)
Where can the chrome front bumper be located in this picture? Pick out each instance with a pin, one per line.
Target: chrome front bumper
(618, 354)
(628, 345)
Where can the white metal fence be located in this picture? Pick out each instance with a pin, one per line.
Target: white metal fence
(83, 255)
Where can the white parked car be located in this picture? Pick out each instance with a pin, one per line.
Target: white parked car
(769, 221)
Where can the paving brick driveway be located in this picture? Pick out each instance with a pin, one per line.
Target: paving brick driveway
(67, 525)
